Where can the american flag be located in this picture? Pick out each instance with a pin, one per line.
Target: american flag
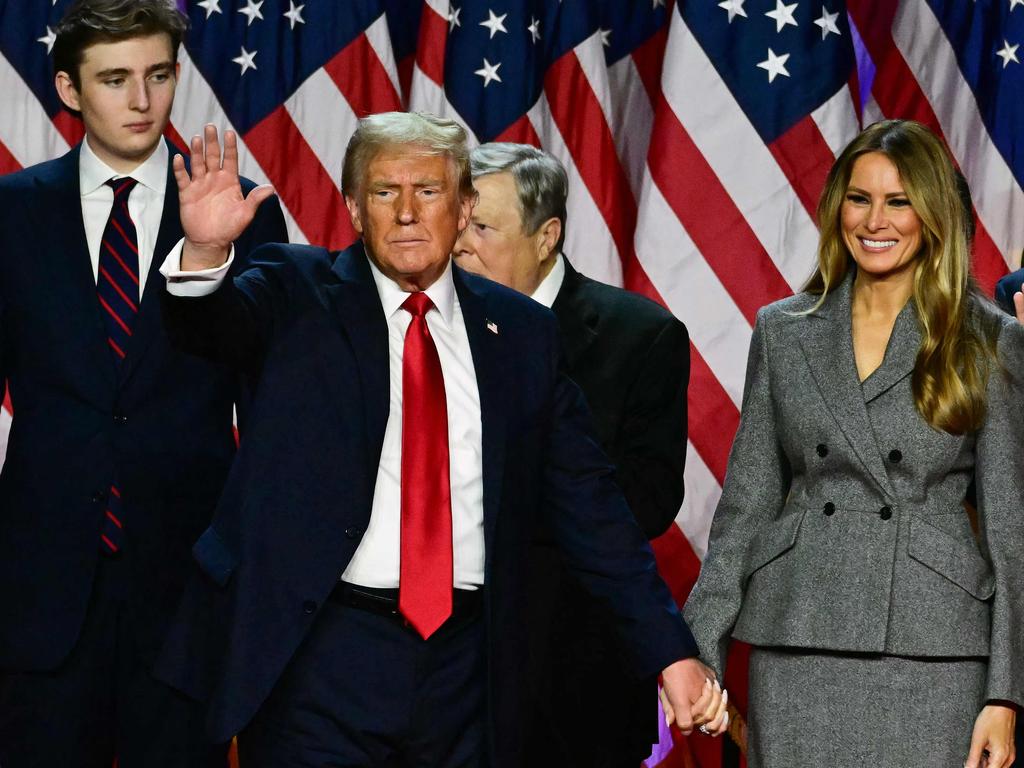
(697, 135)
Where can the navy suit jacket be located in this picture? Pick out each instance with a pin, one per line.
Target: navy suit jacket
(299, 495)
(161, 421)
(1008, 286)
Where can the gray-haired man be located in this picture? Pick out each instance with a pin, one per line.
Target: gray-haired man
(631, 359)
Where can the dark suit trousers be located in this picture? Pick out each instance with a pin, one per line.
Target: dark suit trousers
(364, 690)
(101, 702)
(585, 710)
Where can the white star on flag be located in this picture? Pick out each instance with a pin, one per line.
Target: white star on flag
(453, 18)
(1008, 53)
(783, 14)
(211, 6)
(294, 14)
(495, 23)
(606, 37)
(252, 10)
(48, 39)
(534, 29)
(246, 60)
(775, 65)
(656, 3)
(827, 22)
(1015, 3)
(489, 72)
(734, 7)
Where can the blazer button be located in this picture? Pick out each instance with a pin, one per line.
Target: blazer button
(822, 450)
(120, 418)
(99, 496)
(895, 456)
(829, 508)
(309, 606)
(885, 512)
(352, 532)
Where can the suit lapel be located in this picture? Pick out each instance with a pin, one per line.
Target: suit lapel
(900, 355)
(826, 338)
(490, 364)
(577, 318)
(70, 278)
(356, 304)
(148, 321)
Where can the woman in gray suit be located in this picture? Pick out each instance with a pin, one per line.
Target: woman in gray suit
(886, 631)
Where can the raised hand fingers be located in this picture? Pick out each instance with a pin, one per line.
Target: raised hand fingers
(196, 158)
(212, 147)
(231, 152)
(181, 176)
(257, 195)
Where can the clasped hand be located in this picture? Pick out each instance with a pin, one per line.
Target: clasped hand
(692, 698)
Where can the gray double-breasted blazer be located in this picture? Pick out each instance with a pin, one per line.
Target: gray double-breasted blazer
(841, 524)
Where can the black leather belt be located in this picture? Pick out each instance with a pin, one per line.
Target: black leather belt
(384, 602)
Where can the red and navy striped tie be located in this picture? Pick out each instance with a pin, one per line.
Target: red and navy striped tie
(118, 280)
(117, 285)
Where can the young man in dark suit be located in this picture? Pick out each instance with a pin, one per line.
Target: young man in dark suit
(364, 585)
(630, 357)
(120, 444)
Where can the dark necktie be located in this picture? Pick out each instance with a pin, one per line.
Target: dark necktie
(425, 585)
(117, 286)
(118, 280)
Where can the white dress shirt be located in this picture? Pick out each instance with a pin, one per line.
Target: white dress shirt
(549, 287)
(376, 559)
(145, 204)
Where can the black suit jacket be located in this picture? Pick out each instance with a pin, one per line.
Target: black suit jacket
(299, 495)
(1008, 286)
(161, 421)
(631, 359)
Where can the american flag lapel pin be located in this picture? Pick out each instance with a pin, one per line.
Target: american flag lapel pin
(492, 327)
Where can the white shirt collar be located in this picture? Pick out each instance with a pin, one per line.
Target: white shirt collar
(441, 292)
(549, 287)
(93, 173)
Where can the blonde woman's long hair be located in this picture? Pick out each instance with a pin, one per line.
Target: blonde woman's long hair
(953, 362)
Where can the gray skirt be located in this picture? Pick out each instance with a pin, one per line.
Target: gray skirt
(817, 708)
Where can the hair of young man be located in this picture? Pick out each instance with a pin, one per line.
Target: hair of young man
(541, 181)
(957, 348)
(427, 133)
(88, 22)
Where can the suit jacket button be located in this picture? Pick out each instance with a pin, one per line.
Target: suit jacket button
(309, 606)
(895, 456)
(352, 532)
(99, 496)
(829, 508)
(822, 450)
(885, 512)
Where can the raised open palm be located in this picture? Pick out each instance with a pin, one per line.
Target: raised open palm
(214, 212)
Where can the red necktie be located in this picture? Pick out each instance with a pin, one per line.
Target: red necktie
(425, 580)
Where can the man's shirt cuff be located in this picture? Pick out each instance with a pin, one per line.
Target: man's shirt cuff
(201, 282)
